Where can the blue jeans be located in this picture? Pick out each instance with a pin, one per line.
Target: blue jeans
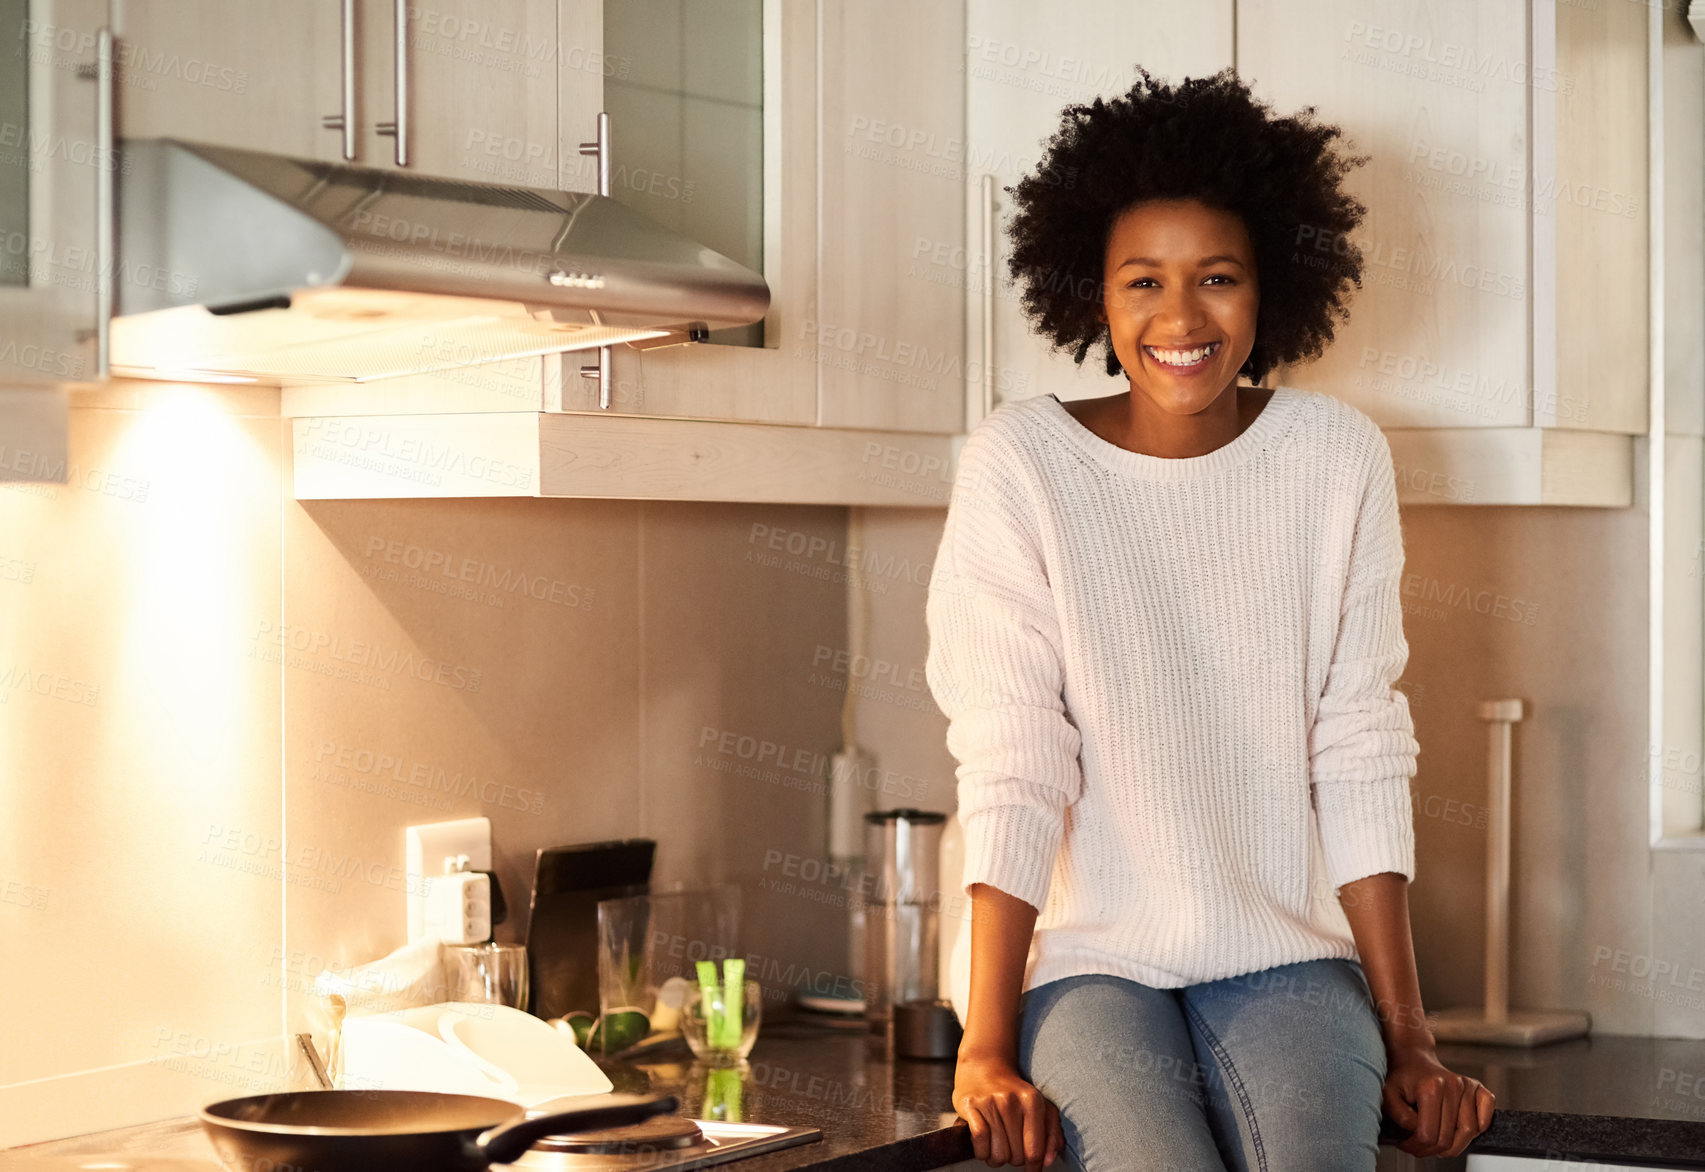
(1279, 1070)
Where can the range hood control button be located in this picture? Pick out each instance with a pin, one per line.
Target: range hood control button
(563, 279)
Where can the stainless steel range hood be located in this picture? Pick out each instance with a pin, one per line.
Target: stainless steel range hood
(242, 264)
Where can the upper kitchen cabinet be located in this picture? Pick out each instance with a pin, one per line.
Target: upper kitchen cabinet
(716, 124)
(1501, 337)
(1592, 304)
(256, 74)
(723, 117)
(466, 88)
(459, 88)
(748, 127)
(57, 169)
(1436, 95)
(1505, 243)
(713, 133)
(1024, 64)
(895, 159)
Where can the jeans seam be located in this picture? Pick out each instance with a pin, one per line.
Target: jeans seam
(1233, 1078)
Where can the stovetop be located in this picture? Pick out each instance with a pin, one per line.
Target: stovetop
(668, 1142)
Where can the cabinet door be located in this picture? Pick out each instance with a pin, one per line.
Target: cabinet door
(1024, 63)
(889, 340)
(256, 74)
(1597, 222)
(714, 134)
(52, 159)
(1437, 94)
(581, 66)
(477, 88)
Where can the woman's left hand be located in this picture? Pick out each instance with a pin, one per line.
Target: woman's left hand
(1442, 1110)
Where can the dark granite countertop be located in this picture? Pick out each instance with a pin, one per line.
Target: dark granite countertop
(1609, 1098)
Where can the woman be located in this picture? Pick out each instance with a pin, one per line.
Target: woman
(1165, 627)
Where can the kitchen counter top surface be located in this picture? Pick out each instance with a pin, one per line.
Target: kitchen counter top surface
(1607, 1098)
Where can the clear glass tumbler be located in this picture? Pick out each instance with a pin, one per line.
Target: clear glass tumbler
(645, 942)
(490, 973)
(706, 1025)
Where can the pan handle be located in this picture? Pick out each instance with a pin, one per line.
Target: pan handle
(504, 1145)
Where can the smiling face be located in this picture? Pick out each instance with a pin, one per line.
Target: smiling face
(1180, 299)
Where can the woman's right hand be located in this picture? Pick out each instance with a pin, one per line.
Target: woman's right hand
(1011, 1123)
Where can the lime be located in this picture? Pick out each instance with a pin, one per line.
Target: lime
(581, 1023)
(619, 1029)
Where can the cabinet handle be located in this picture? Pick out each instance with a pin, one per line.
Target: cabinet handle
(988, 338)
(398, 128)
(600, 370)
(345, 121)
(105, 272)
(599, 148)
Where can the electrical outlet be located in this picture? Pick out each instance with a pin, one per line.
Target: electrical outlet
(426, 848)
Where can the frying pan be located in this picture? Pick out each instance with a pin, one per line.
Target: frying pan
(396, 1131)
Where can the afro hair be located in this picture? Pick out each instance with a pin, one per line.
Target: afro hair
(1207, 139)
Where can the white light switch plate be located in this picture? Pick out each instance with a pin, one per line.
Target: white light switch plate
(426, 848)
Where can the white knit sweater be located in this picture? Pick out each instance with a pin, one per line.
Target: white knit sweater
(1169, 686)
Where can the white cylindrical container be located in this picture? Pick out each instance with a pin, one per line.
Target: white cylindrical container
(954, 917)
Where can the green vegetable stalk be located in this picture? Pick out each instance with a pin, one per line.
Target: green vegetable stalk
(733, 1001)
(707, 1001)
(722, 1096)
(722, 1003)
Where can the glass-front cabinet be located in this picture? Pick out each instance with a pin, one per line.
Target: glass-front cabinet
(712, 110)
(687, 98)
(56, 169)
(761, 129)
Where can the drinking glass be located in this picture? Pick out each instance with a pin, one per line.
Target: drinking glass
(491, 973)
(650, 946)
(704, 1012)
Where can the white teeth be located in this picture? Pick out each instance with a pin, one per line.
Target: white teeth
(1184, 357)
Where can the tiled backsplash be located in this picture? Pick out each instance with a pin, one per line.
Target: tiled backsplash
(224, 706)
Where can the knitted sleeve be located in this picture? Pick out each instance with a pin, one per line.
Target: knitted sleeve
(995, 668)
(1362, 747)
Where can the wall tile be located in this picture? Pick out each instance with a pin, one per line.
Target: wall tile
(451, 659)
(742, 713)
(139, 743)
